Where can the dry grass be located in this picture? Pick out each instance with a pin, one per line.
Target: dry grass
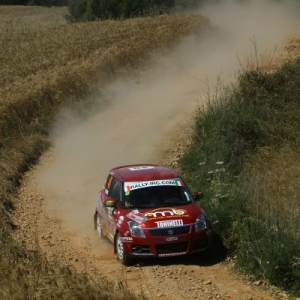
(28, 275)
(46, 64)
(274, 187)
(54, 62)
(24, 16)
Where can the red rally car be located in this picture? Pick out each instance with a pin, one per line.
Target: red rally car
(147, 210)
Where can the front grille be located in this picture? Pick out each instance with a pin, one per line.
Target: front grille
(172, 248)
(166, 231)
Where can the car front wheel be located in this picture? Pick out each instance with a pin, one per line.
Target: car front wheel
(122, 256)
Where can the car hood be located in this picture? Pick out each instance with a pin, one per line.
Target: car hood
(165, 216)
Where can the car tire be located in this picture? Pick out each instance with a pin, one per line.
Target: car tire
(121, 254)
(99, 227)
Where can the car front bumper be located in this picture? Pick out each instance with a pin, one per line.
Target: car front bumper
(157, 244)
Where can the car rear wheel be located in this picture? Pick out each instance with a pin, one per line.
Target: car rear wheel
(122, 256)
(99, 227)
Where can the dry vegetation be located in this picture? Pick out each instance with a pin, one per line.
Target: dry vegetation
(14, 15)
(274, 187)
(46, 66)
(54, 62)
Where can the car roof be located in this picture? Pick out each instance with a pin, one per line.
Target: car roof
(142, 172)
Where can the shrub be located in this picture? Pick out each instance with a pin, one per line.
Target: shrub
(89, 10)
(242, 157)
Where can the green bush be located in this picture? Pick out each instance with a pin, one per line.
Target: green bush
(89, 10)
(35, 2)
(242, 158)
(77, 9)
(269, 252)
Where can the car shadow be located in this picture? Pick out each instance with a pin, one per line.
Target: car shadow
(216, 254)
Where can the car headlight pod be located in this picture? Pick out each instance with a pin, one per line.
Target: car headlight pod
(200, 223)
(136, 229)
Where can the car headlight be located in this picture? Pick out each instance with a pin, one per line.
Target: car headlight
(136, 229)
(200, 223)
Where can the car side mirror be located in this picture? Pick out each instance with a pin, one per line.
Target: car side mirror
(111, 203)
(197, 195)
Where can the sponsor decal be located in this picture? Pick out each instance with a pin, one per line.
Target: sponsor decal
(136, 216)
(169, 223)
(126, 233)
(138, 168)
(129, 186)
(127, 239)
(120, 220)
(166, 212)
(171, 254)
(172, 238)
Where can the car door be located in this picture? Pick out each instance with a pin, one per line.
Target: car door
(114, 193)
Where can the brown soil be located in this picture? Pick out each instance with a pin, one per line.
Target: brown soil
(54, 213)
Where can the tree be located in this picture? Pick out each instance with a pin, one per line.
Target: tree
(92, 10)
(89, 10)
(77, 9)
(13, 2)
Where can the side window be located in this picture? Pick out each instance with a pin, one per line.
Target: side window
(109, 181)
(115, 190)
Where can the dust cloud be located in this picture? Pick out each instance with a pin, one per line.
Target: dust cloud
(145, 117)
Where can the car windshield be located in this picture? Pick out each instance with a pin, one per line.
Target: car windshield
(152, 194)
